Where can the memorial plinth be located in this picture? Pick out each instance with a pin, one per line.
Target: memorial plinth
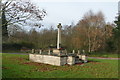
(57, 56)
(59, 52)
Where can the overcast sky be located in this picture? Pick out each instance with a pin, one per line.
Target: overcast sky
(66, 12)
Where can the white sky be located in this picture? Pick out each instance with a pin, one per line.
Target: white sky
(75, 0)
(68, 11)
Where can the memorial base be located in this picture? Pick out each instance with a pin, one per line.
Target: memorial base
(59, 52)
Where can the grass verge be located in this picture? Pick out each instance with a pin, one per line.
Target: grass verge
(105, 55)
(19, 66)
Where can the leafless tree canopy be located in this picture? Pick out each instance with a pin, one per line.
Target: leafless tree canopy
(23, 12)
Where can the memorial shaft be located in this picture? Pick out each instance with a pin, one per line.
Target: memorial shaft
(59, 36)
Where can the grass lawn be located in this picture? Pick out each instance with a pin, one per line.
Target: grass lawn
(18, 66)
(106, 55)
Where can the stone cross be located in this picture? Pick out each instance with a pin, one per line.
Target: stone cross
(59, 36)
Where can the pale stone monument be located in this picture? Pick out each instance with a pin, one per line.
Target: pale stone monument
(84, 58)
(58, 56)
(59, 49)
(59, 36)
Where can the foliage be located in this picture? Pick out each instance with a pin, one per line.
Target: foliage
(116, 35)
(110, 46)
(91, 34)
(16, 46)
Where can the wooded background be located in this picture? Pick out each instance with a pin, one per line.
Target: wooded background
(91, 33)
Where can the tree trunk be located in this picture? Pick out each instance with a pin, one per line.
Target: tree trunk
(4, 27)
(89, 41)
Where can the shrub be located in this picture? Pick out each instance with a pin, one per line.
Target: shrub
(16, 46)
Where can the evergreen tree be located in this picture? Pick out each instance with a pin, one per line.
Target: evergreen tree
(116, 32)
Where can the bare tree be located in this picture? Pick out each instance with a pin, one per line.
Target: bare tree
(93, 25)
(20, 12)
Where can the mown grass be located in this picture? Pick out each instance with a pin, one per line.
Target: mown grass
(104, 54)
(18, 66)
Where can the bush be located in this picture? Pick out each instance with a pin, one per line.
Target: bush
(16, 46)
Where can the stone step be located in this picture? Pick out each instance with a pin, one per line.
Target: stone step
(78, 61)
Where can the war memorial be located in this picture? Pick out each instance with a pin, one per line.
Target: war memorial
(58, 56)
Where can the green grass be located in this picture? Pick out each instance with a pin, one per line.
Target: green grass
(18, 66)
(106, 55)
